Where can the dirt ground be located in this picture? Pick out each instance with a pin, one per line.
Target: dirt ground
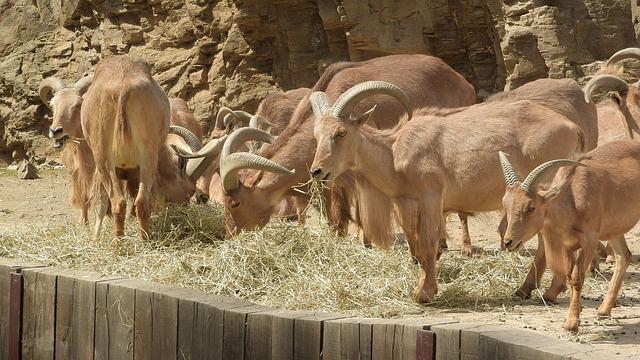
(30, 202)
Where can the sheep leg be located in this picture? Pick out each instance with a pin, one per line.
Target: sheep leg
(148, 169)
(538, 266)
(579, 269)
(611, 257)
(421, 222)
(443, 236)
(623, 257)
(101, 212)
(465, 240)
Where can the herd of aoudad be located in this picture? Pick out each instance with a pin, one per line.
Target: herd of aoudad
(396, 137)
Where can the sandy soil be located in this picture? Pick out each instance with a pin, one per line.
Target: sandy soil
(25, 202)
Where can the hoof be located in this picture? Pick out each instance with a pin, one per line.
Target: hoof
(550, 299)
(522, 294)
(610, 259)
(571, 326)
(467, 251)
(420, 296)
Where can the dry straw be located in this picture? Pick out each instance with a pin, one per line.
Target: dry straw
(284, 265)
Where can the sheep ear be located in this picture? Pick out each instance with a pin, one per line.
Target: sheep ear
(362, 119)
(549, 193)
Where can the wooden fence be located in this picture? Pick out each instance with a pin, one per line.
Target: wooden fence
(50, 313)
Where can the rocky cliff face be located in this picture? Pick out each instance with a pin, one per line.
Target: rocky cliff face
(231, 53)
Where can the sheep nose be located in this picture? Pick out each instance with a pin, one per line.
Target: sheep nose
(53, 132)
(316, 172)
(508, 243)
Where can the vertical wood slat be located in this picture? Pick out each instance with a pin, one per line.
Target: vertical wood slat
(7, 267)
(425, 345)
(114, 321)
(38, 315)
(308, 335)
(282, 335)
(14, 335)
(75, 313)
(235, 330)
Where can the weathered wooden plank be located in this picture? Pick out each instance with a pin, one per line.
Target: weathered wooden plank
(282, 337)
(155, 320)
(260, 334)
(188, 335)
(75, 313)
(235, 322)
(201, 316)
(38, 316)
(114, 333)
(350, 339)
(308, 335)
(7, 266)
(341, 339)
(383, 333)
(366, 338)
(425, 345)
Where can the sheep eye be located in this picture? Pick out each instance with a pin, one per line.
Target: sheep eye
(234, 204)
(530, 209)
(341, 133)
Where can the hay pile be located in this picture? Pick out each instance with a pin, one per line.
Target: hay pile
(283, 265)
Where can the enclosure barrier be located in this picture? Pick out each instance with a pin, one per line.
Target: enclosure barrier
(51, 313)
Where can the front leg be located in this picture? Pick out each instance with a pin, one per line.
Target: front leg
(577, 281)
(465, 240)
(536, 270)
(421, 221)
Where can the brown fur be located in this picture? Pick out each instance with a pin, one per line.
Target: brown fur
(294, 148)
(582, 204)
(443, 164)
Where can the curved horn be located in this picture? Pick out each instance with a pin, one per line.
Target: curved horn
(628, 53)
(200, 161)
(510, 176)
(350, 98)
(187, 135)
(231, 164)
(531, 181)
(83, 84)
(320, 103)
(49, 85)
(243, 135)
(605, 81)
(257, 120)
(222, 113)
(238, 116)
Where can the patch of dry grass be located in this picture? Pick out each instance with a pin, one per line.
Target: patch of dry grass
(283, 265)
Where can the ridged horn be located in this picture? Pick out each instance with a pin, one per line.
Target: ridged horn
(49, 85)
(206, 156)
(257, 120)
(510, 176)
(222, 112)
(531, 181)
(187, 135)
(628, 53)
(320, 103)
(237, 116)
(241, 136)
(83, 84)
(350, 98)
(605, 81)
(231, 162)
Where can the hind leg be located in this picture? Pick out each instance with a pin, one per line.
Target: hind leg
(465, 240)
(623, 257)
(148, 168)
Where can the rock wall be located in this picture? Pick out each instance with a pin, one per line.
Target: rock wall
(232, 52)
